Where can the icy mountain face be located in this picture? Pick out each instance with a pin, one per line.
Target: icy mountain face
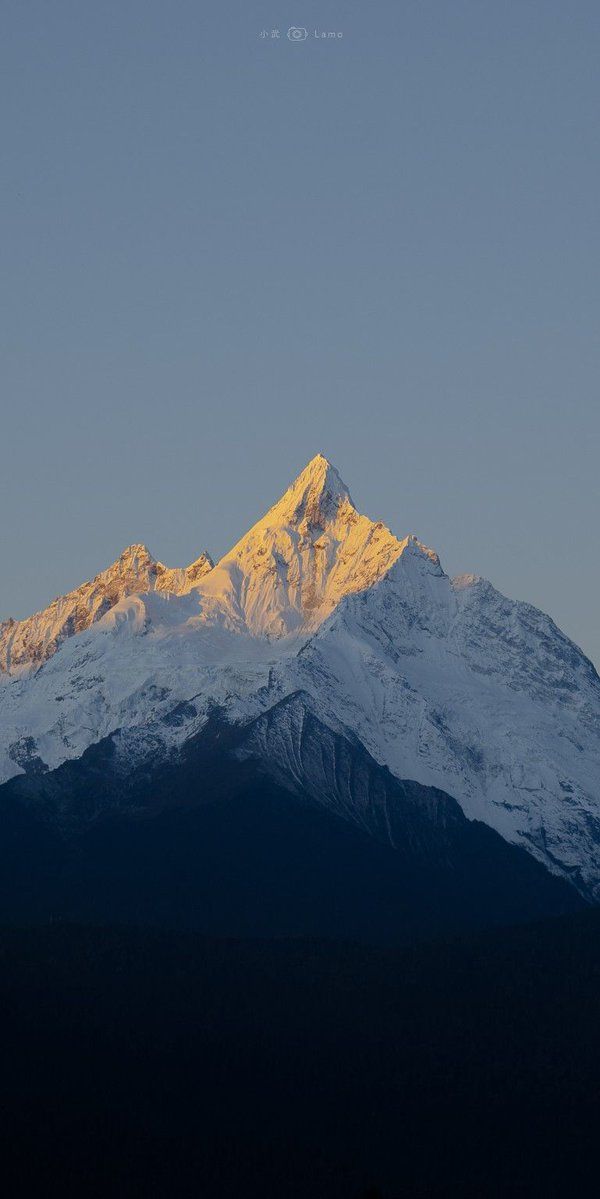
(449, 683)
(285, 576)
(28, 643)
(296, 564)
(445, 682)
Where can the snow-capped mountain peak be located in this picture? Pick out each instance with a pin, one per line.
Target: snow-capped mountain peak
(298, 561)
(27, 643)
(134, 557)
(445, 682)
(284, 576)
(313, 500)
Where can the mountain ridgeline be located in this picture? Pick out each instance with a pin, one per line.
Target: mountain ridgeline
(320, 734)
(229, 839)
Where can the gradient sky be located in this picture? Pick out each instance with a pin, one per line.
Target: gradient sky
(223, 253)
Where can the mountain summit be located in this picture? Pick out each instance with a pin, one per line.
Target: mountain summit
(295, 564)
(313, 499)
(285, 575)
(444, 682)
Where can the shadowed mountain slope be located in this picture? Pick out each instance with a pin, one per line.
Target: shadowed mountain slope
(223, 841)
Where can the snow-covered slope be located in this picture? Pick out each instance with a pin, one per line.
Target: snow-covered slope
(445, 681)
(451, 684)
(309, 551)
(26, 643)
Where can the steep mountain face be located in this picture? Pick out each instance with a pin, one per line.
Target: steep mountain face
(280, 827)
(444, 682)
(450, 683)
(28, 643)
(296, 564)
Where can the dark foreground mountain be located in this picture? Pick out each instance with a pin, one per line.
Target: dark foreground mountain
(140, 1063)
(444, 681)
(222, 841)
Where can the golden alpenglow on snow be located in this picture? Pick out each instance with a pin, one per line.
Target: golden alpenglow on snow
(444, 681)
(287, 573)
(295, 564)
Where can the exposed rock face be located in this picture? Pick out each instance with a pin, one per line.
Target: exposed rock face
(295, 565)
(26, 643)
(445, 682)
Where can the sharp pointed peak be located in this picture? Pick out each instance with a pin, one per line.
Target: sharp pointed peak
(136, 550)
(202, 565)
(135, 559)
(320, 460)
(315, 495)
(202, 557)
(320, 467)
(136, 547)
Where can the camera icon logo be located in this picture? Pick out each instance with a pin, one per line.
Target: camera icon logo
(297, 33)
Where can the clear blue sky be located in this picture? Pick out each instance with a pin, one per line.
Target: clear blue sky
(223, 253)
